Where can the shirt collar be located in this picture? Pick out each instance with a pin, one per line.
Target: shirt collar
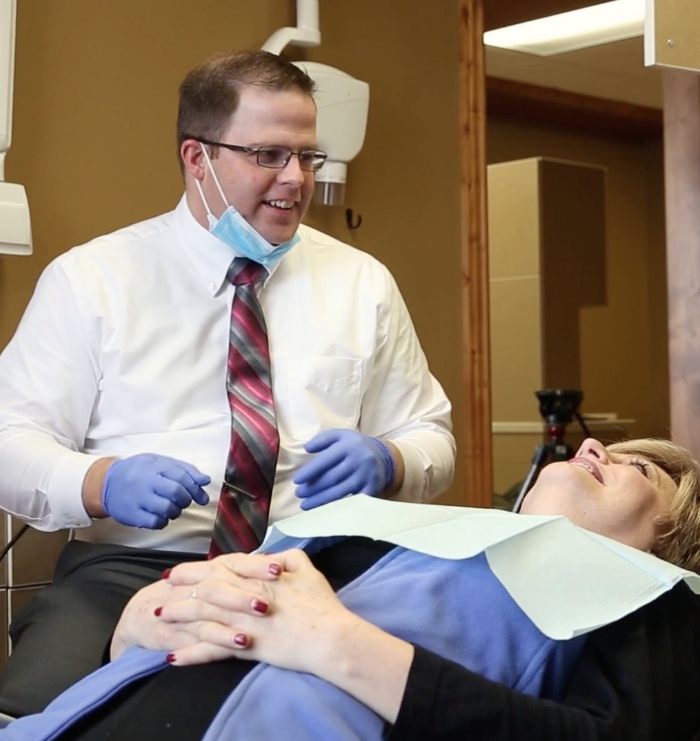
(210, 256)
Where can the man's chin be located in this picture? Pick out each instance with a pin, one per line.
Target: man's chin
(276, 237)
(277, 228)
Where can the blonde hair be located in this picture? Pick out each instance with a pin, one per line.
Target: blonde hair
(679, 541)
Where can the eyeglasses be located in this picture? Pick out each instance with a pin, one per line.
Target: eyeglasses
(275, 157)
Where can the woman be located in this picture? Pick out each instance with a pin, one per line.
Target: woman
(280, 609)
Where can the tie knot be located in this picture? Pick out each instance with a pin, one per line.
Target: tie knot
(244, 271)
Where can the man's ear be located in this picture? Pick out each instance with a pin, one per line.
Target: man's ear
(193, 158)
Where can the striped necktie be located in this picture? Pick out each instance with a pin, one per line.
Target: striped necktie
(241, 519)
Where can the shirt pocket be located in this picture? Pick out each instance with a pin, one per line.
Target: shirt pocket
(315, 393)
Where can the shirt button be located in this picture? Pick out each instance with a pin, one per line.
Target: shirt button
(212, 287)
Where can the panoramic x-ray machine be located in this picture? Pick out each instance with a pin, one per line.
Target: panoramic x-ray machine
(342, 102)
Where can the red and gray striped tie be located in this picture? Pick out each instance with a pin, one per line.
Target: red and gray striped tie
(241, 519)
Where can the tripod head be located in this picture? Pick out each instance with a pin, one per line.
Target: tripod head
(559, 406)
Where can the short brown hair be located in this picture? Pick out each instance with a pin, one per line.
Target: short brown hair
(679, 542)
(210, 93)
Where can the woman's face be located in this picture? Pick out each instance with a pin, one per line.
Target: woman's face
(614, 494)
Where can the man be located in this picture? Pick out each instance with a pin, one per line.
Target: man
(116, 392)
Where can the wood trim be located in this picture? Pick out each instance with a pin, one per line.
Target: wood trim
(682, 178)
(572, 111)
(477, 448)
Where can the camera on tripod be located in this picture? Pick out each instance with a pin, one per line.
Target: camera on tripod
(558, 408)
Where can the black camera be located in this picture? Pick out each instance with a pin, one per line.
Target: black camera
(559, 406)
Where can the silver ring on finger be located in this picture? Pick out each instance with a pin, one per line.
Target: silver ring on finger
(193, 593)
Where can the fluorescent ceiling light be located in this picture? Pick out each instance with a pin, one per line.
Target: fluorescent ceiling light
(578, 29)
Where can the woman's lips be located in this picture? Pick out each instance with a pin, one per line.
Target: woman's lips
(589, 466)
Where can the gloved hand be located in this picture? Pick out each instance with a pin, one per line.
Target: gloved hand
(147, 490)
(347, 462)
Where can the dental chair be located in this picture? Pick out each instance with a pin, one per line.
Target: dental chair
(6, 719)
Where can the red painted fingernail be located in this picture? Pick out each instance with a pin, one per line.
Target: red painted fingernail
(259, 606)
(274, 568)
(165, 574)
(170, 658)
(157, 611)
(240, 639)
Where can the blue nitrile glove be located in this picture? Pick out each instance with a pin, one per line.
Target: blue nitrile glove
(147, 490)
(347, 462)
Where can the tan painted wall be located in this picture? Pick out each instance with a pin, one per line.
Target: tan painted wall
(624, 356)
(95, 105)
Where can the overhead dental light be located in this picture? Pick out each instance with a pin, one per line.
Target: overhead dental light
(15, 226)
(577, 29)
(342, 102)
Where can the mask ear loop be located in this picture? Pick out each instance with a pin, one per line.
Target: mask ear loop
(216, 180)
(210, 216)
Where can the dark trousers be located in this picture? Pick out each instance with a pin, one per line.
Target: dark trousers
(64, 633)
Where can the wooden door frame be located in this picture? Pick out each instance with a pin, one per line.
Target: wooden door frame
(477, 447)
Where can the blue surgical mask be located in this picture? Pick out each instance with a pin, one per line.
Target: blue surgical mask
(232, 229)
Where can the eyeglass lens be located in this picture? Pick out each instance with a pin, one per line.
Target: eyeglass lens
(279, 157)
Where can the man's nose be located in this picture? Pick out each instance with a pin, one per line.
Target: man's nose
(292, 172)
(594, 449)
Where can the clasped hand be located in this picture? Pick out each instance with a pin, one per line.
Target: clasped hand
(345, 462)
(256, 607)
(148, 490)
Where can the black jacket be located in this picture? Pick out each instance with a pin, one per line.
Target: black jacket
(637, 680)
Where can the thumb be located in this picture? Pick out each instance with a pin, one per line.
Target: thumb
(293, 560)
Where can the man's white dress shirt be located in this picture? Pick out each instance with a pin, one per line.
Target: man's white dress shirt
(123, 349)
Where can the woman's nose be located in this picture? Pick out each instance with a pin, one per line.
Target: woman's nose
(591, 447)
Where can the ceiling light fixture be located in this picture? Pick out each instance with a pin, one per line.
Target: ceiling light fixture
(577, 29)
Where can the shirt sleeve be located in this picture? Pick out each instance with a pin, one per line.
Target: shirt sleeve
(48, 386)
(406, 405)
(637, 679)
